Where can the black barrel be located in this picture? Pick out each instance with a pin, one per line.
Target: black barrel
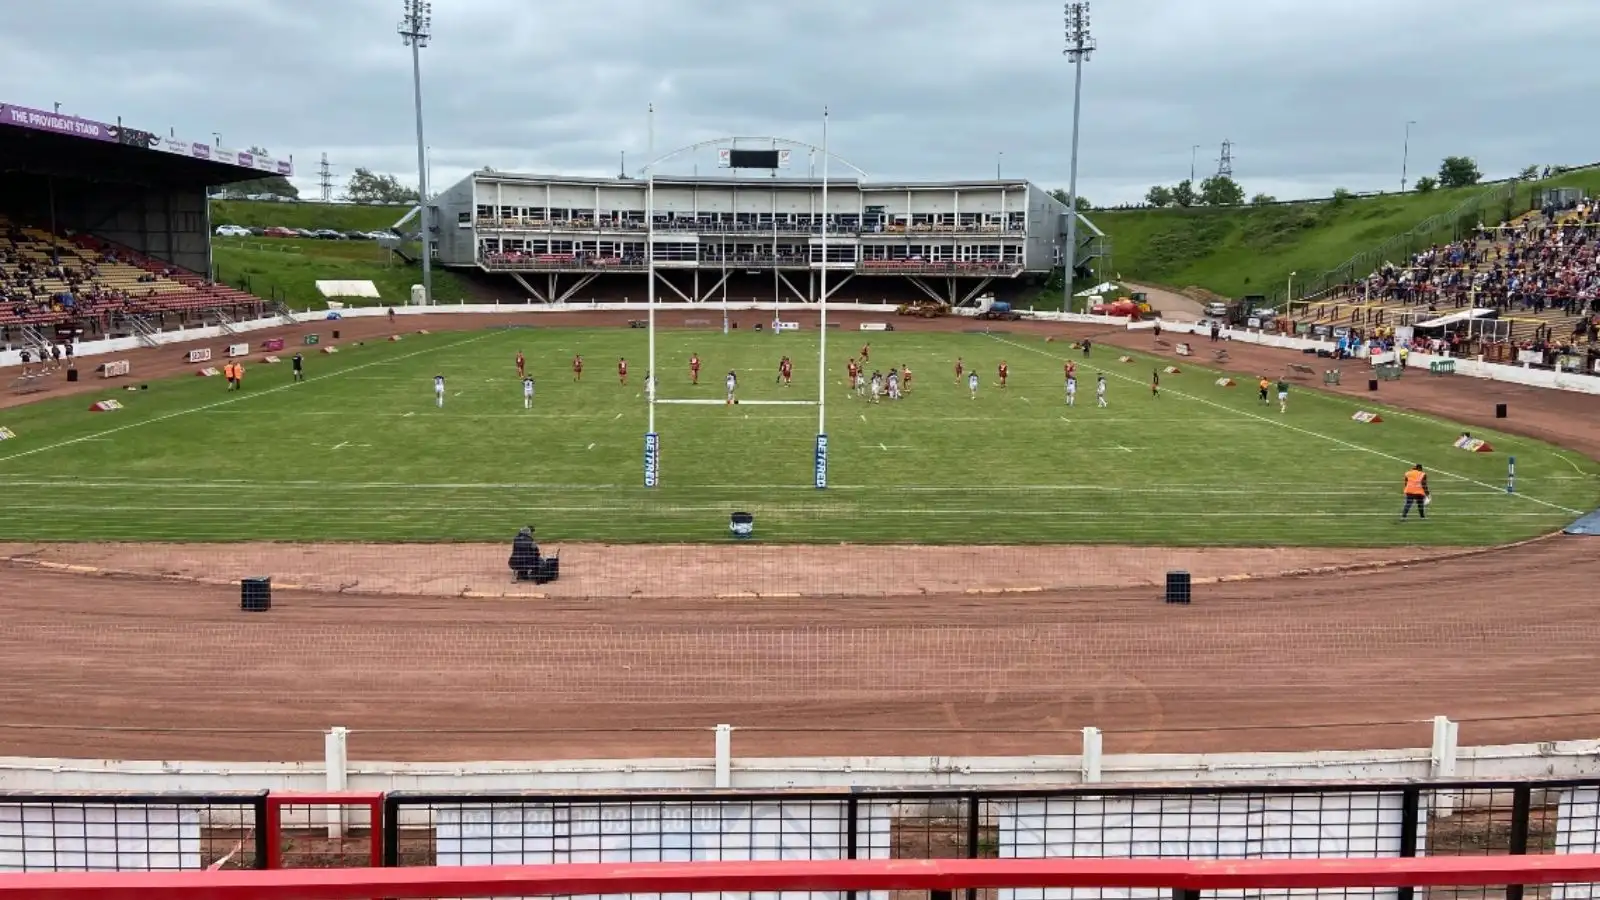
(1372, 384)
(1499, 410)
(1178, 587)
(255, 594)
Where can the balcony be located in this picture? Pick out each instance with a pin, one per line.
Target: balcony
(925, 230)
(561, 225)
(561, 262)
(976, 269)
(745, 263)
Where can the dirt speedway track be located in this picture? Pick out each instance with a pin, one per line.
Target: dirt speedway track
(1503, 640)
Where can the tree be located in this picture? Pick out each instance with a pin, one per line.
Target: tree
(1343, 195)
(1220, 190)
(1531, 173)
(1426, 183)
(1160, 195)
(277, 185)
(1263, 199)
(1458, 171)
(365, 187)
(1061, 197)
(1183, 193)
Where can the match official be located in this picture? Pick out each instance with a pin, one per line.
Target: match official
(1416, 492)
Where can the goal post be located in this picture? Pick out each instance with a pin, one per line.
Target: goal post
(772, 161)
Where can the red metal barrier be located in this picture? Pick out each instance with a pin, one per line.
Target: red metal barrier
(943, 874)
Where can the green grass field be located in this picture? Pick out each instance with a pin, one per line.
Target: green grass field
(290, 269)
(360, 452)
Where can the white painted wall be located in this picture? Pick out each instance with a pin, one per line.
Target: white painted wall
(1559, 759)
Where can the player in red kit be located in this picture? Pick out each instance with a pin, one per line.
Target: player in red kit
(852, 371)
(960, 369)
(786, 371)
(577, 367)
(1003, 373)
(622, 370)
(1070, 369)
(694, 368)
(522, 366)
(905, 379)
(866, 353)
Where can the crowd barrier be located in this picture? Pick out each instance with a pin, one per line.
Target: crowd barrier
(1005, 879)
(274, 830)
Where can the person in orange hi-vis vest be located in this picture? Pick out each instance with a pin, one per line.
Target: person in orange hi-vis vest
(1416, 492)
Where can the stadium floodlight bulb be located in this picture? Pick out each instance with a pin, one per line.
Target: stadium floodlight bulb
(1079, 42)
(417, 25)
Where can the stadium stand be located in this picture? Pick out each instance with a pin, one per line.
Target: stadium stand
(1534, 283)
(104, 229)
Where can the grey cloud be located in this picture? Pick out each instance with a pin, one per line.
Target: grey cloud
(1315, 95)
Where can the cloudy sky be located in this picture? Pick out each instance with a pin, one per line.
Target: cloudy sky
(1313, 95)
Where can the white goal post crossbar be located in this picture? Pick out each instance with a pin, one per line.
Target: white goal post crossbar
(704, 401)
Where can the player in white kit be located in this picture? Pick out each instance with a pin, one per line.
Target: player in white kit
(972, 384)
(1072, 390)
(861, 383)
(732, 383)
(527, 393)
(1100, 391)
(877, 386)
(894, 385)
(438, 390)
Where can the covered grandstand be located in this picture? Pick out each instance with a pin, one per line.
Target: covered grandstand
(105, 229)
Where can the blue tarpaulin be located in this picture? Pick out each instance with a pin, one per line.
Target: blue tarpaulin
(1589, 524)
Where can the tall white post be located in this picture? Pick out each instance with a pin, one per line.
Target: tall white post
(1092, 751)
(821, 456)
(335, 748)
(724, 747)
(822, 304)
(650, 296)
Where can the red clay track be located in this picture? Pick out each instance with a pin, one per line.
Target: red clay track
(1502, 641)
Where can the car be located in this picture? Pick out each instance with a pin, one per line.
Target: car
(278, 231)
(303, 232)
(1216, 310)
(327, 234)
(357, 236)
(256, 230)
(232, 231)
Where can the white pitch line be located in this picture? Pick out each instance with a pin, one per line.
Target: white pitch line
(590, 447)
(237, 399)
(1309, 433)
(883, 448)
(340, 446)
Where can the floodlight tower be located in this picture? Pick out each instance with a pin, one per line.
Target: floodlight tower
(1079, 46)
(416, 27)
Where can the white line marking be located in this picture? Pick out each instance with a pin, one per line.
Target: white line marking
(590, 447)
(1572, 464)
(341, 445)
(863, 417)
(1310, 433)
(616, 417)
(237, 399)
(853, 511)
(407, 415)
(1122, 448)
(883, 448)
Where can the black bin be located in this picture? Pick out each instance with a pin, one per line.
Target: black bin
(336, 334)
(1499, 410)
(1372, 384)
(72, 375)
(1178, 587)
(742, 525)
(255, 594)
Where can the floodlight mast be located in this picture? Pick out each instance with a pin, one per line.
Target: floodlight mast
(1079, 45)
(416, 28)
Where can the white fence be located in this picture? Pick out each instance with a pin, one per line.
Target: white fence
(722, 769)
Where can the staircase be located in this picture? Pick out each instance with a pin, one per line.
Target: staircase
(284, 313)
(34, 339)
(224, 321)
(139, 327)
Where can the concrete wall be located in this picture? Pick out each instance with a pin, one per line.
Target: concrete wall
(722, 768)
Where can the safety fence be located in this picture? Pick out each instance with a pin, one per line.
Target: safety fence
(1360, 820)
(1561, 877)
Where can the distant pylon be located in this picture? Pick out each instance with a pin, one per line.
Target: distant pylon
(1225, 162)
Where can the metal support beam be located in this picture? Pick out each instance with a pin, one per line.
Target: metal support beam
(701, 298)
(925, 288)
(532, 291)
(834, 287)
(662, 277)
(582, 282)
(799, 295)
(973, 294)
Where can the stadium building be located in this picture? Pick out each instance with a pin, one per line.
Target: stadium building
(566, 239)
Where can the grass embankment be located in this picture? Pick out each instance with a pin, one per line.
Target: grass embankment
(289, 270)
(1236, 251)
